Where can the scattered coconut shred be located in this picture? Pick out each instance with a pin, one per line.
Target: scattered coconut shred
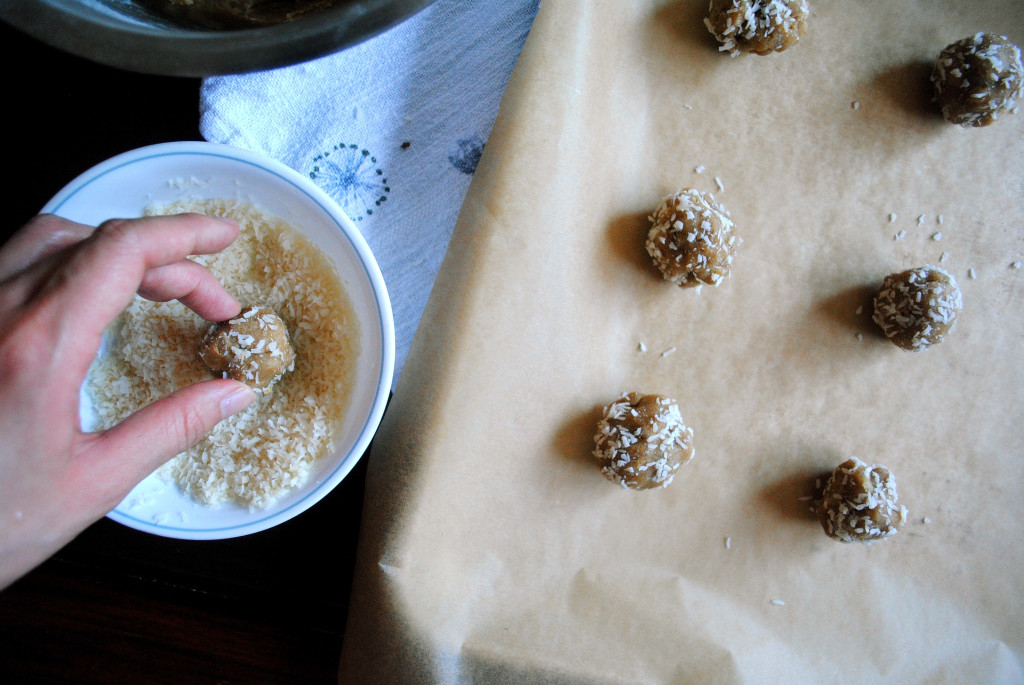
(255, 456)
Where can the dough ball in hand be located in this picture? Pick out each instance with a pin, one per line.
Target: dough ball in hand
(641, 441)
(253, 348)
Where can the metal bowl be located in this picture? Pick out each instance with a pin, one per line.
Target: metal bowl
(127, 35)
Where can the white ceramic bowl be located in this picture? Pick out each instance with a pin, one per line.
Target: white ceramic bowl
(123, 187)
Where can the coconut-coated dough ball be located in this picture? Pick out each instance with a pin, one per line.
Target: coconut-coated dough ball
(253, 348)
(641, 441)
(860, 503)
(918, 307)
(978, 79)
(758, 26)
(691, 239)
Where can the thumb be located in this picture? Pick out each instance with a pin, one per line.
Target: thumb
(114, 461)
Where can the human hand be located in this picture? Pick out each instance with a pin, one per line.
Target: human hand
(61, 285)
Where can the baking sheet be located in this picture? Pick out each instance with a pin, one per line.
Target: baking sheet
(493, 550)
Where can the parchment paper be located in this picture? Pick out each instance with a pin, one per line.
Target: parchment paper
(493, 549)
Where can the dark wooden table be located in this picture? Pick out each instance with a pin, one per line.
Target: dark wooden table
(116, 605)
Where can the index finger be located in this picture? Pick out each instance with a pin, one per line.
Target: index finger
(102, 276)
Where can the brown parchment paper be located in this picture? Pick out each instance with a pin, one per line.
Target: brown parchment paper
(493, 549)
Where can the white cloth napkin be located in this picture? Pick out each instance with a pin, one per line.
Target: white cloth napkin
(391, 129)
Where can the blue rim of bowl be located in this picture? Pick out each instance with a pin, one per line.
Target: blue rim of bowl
(371, 268)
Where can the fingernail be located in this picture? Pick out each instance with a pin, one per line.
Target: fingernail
(237, 400)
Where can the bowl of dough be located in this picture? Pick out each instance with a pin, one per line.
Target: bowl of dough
(204, 37)
(315, 339)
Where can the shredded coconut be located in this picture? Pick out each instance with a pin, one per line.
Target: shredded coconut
(258, 454)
